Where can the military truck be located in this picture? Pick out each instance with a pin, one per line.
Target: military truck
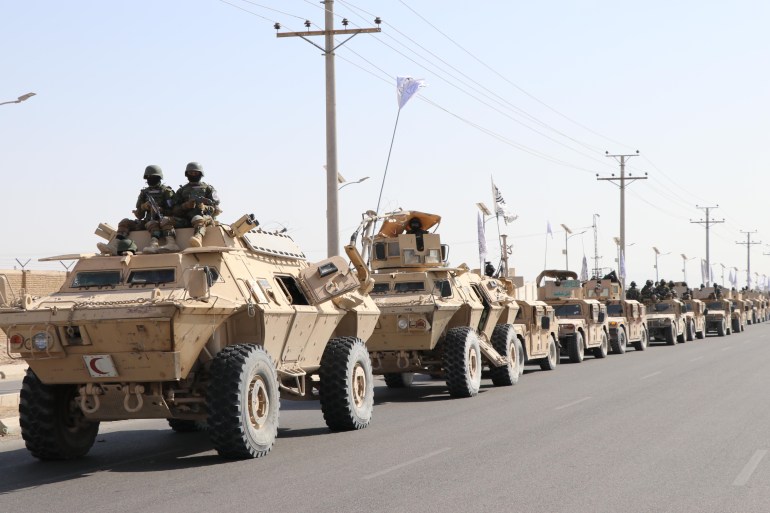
(666, 320)
(537, 332)
(695, 322)
(718, 310)
(435, 319)
(759, 301)
(738, 311)
(582, 322)
(626, 318)
(208, 336)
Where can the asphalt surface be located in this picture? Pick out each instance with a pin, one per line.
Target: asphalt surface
(682, 428)
(11, 386)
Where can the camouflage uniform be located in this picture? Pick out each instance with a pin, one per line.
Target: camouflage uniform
(646, 293)
(196, 204)
(662, 290)
(632, 292)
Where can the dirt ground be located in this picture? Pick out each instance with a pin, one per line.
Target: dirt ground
(5, 359)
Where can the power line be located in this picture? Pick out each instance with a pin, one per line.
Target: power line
(707, 223)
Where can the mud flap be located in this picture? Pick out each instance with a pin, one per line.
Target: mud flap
(489, 352)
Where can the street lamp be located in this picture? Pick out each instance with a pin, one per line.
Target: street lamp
(20, 99)
(567, 236)
(657, 253)
(684, 265)
(345, 184)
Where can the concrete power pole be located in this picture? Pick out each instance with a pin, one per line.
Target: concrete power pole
(708, 222)
(332, 216)
(748, 245)
(621, 183)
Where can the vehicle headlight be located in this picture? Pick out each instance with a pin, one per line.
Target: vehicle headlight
(40, 341)
(403, 324)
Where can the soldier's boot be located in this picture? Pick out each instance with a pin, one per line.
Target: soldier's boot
(154, 247)
(196, 240)
(170, 246)
(111, 248)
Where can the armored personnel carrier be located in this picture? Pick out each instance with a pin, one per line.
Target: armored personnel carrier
(718, 310)
(694, 311)
(208, 336)
(537, 331)
(626, 318)
(435, 319)
(582, 322)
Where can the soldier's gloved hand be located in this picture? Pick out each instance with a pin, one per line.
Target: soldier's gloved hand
(188, 204)
(146, 206)
(207, 209)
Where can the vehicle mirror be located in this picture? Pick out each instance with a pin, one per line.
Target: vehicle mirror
(602, 316)
(545, 322)
(379, 251)
(444, 252)
(197, 282)
(706, 311)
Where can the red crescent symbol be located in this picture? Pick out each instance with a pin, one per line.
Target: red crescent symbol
(93, 366)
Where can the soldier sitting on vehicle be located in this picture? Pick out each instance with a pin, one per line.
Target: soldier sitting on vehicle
(662, 290)
(633, 292)
(153, 207)
(196, 204)
(647, 291)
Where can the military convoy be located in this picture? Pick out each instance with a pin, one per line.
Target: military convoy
(212, 336)
(208, 336)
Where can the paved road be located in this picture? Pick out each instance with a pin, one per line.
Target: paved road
(681, 428)
(10, 386)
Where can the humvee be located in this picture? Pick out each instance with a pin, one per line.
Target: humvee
(738, 311)
(582, 322)
(666, 320)
(694, 308)
(536, 329)
(435, 319)
(760, 305)
(626, 318)
(208, 336)
(718, 311)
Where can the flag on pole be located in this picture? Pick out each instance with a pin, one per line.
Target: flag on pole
(407, 87)
(622, 265)
(501, 209)
(704, 273)
(482, 243)
(549, 230)
(584, 269)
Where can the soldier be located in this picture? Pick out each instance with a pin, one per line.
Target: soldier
(632, 292)
(646, 293)
(196, 204)
(662, 290)
(672, 290)
(153, 207)
(415, 227)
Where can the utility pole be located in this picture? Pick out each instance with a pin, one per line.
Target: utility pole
(597, 270)
(332, 215)
(748, 245)
(708, 222)
(621, 183)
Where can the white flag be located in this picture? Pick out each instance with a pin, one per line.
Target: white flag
(501, 209)
(704, 273)
(549, 231)
(482, 242)
(584, 270)
(408, 87)
(622, 265)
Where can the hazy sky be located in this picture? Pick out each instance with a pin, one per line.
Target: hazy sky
(530, 93)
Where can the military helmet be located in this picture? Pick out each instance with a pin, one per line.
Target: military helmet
(671, 284)
(648, 282)
(152, 170)
(193, 166)
(633, 284)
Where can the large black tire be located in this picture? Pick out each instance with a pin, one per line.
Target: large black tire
(52, 424)
(700, 335)
(721, 329)
(506, 343)
(604, 347)
(620, 343)
(736, 326)
(347, 384)
(243, 402)
(462, 362)
(671, 335)
(641, 345)
(186, 425)
(522, 355)
(399, 379)
(552, 360)
(690, 331)
(682, 337)
(576, 348)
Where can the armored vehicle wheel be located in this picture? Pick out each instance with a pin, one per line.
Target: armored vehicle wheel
(690, 331)
(522, 355)
(399, 379)
(700, 335)
(243, 402)
(462, 362)
(736, 326)
(576, 348)
(506, 343)
(619, 345)
(186, 425)
(743, 327)
(347, 384)
(641, 345)
(671, 335)
(721, 329)
(552, 360)
(682, 337)
(601, 351)
(52, 424)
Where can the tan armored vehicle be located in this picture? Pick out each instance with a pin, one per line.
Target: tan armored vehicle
(211, 335)
(582, 322)
(537, 331)
(694, 310)
(434, 319)
(666, 320)
(759, 301)
(626, 318)
(718, 310)
(739, 311)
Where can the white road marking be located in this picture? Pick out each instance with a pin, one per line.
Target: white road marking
(750, 467)
(407, 463)
(696, 359)
(650, 375)
(572, 403)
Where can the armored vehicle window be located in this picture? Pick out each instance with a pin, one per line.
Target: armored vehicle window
(156, 276)
(444, 288)
(381, 288)
(567, 310)
(688, 307)
(292, 291)
(662, 307)
(735, 305)
(411, 257)
(433, 257)
(96, 279)
(615, 310)
(715, 306)
(393, 250)
(409, 286)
